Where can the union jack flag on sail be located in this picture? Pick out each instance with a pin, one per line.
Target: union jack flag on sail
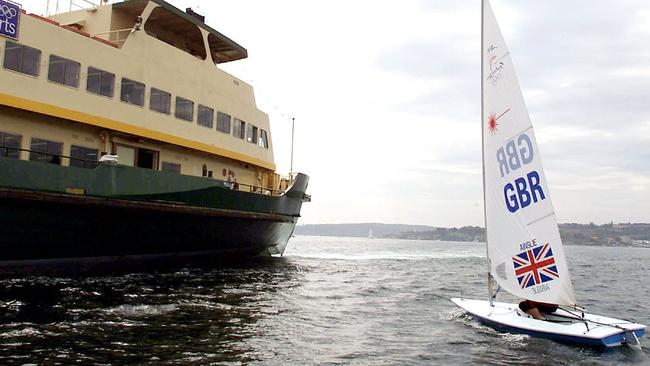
(535, 265)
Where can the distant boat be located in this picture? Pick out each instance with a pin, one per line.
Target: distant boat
(370, 234)
(524, 249)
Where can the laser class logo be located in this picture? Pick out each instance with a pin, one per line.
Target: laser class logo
(9, 19)
(492, 123)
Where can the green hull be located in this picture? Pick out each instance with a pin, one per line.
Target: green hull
(63, 217)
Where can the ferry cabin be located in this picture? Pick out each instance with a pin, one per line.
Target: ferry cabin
(139, 79)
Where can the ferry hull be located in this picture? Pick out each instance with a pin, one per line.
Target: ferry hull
(45, 231)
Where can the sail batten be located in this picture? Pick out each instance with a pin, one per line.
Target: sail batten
(524, 248)
(541, 218)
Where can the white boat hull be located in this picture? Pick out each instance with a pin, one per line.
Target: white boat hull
(562, 326)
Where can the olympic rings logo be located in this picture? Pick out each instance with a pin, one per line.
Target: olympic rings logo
(7, 12)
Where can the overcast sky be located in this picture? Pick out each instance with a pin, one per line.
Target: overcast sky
(386, 97)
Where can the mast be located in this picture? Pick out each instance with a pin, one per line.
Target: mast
(487, 251)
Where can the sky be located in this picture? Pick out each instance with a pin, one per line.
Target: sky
(386, 101)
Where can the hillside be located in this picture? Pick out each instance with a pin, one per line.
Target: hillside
(623, 234)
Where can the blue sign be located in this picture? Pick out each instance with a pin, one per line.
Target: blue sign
(9, 18)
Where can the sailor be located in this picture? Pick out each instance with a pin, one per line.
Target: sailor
(232, 180)
(536, 309)
(235, 185)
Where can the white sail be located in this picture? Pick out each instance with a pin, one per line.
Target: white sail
(524, 246)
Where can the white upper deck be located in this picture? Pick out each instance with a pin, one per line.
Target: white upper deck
(167, 84)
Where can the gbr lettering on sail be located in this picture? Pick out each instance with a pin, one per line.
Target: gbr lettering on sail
(514, 157)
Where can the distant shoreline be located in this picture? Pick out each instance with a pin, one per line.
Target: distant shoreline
(614, 235)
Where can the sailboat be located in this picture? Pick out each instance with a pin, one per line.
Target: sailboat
(524, 249)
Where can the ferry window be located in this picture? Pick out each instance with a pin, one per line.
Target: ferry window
(132, 92)
(251, 133)
(171, 167)
(221, 52)
(10, 145)
(264, 140)
(46, 151)
(83, 157)
(239, 128)
(184, 109)
(147, 159)
(100, 82)
(64, 71)
(160, 101)
(176, 31)
(206, 116)
(137, 156)
(22, 58)
(223, 122)
(126, 155)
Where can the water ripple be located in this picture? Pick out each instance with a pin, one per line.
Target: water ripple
(329, 301)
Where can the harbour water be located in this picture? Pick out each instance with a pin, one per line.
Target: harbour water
(328, 301)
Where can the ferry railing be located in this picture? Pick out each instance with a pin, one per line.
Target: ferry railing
(49, 158)
(114, 35)
(45, 157)
(54, 7)
(60, 5)
(83, 4)
(253, 189)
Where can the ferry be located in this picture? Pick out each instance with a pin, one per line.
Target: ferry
(124, 144)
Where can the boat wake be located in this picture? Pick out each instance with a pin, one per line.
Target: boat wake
(137, 311)
(382, 256)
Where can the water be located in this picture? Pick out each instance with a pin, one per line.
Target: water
(336, 301)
